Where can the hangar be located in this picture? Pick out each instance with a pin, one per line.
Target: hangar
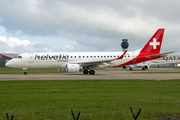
(4, 57)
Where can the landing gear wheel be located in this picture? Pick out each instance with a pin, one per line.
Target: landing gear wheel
(85, 71)
(130, 69)
(91, 72)
(143, 68)
(25, 73)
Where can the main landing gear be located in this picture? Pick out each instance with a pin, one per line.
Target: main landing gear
(91, 72)
(130, 69)
(143, 68)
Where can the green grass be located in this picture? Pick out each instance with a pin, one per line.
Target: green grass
(129, 93)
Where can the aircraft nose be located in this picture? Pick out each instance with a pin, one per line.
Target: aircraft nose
(8, 64)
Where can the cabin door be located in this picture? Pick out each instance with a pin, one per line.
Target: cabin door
(31, 57)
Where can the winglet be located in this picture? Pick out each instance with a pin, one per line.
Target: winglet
(121, 57)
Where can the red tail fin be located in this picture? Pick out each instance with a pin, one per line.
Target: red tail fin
(153, 46)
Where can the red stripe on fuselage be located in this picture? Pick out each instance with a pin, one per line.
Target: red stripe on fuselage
(138, 59)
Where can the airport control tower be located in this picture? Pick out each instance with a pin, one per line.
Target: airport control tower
(124, 44)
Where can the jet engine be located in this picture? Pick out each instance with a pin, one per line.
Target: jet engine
(124, 67)
(71, 68)
(146, 66)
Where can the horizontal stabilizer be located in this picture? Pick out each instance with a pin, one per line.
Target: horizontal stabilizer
(161, 54)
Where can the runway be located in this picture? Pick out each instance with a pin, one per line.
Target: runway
(105, 74)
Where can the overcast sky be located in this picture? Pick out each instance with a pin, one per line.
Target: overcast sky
(86, 25)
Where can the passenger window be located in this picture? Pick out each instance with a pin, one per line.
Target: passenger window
(114, 56)
(74, 56)
(71, 56)
(87, 56)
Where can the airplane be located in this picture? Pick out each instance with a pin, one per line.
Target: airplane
(142, 65)
(169, 59)
(87, 61)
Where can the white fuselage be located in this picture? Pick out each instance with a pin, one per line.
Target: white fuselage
(44, 60)
(169, 59)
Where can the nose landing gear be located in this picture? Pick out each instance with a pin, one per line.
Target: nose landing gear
(25, 69)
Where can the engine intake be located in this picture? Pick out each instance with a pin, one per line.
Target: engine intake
(146, 66)
(124, 67)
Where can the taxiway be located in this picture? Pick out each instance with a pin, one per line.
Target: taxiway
(105, 74)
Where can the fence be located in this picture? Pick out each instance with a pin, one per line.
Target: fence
(107, 110)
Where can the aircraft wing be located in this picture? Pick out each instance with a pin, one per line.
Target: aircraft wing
(95, 63)
(101, 62)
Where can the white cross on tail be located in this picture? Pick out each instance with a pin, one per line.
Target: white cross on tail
(154, 43)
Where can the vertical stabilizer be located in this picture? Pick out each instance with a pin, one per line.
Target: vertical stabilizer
(153, 46)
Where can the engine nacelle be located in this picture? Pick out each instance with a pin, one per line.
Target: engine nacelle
(73, 68)
(146, 66)
(124, 67)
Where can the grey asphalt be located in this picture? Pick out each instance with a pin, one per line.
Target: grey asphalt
(105, 74)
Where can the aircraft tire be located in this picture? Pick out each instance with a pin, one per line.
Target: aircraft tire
(85, 71)
(91, 72)
(143, 68)
(130, 69)
(25, 73)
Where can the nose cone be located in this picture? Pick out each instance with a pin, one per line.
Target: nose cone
(8, 64)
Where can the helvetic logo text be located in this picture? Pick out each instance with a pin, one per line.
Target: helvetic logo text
(59, 58)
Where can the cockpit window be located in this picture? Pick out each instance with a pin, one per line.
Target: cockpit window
(18, 57)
